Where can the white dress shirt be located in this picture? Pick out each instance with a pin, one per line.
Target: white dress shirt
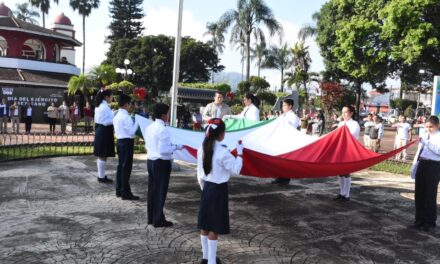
(103, 114)
(353, 126)
(403, 131)
(124, 125)
(292, 118)
(29, 111)
(430, 146)
(251, 112)
(158, 141)
(224, 165)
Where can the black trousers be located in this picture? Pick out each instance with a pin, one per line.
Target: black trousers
(52, 122)
(125, 148)
(427, 179)
(28, 123)
(158, 179)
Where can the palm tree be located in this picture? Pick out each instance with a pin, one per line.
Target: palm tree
(246, 20)
(259, 52)
(26, 14)
(84, 8)
(301, 65)
(309, 31)
(79, 85)
(217, 39)
(103, 74)
(44, 6)
(280, 59)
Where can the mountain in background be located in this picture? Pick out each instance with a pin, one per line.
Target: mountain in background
(231, 78)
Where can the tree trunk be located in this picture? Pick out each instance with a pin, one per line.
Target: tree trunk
(44, 20)
(282, 77)
(212, 76)
(248, 56)
(306, 92)
(358, 87)
(259, 66)
(84, 43)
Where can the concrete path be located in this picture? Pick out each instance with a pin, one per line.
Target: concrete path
(54, 211)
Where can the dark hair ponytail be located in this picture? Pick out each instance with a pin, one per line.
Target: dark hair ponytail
(101, 95)
(255, 100)
(212, 134)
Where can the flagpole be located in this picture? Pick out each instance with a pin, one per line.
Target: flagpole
(176, 67)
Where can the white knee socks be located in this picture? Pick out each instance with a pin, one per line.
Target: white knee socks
(347, 186)
(204, 240)
(341, 186)
(212, 251)
(101, 168)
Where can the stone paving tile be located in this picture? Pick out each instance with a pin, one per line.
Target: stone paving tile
(54, 211)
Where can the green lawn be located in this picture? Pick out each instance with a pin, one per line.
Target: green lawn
(393, 167)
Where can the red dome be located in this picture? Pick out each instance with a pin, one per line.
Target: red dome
(62, 19)
(4, 10)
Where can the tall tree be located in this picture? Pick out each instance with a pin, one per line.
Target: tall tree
(278, 58)
(246, 19)
(126, 19)
(84, 8)
(26, 14)
(44, 6)
(259, 52)
(309, 30)
(217, 39)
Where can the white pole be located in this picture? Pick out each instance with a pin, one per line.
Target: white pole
(176, 68)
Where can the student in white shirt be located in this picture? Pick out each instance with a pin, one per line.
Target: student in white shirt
(250, 111)
(294, 120)
(159, 151)
(215, 165)
(125, 130)
(403, 136)
(375, 133)
(427, 177)
(353, 126)
(104, 144)
(367, 125)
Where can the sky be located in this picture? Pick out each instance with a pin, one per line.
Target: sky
(161, 18)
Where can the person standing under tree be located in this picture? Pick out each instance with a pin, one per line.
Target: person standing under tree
(74, 117)
(427, 177)
(52, 115)
(4, 116)
(15, 113)
(63, 114)
(104, 144)
(216, 109)
(403, 137)
(88, 117)
(353, 126)
(28, 112)
(215, 165)
(159, 151)
(125, 130)
(375, 133)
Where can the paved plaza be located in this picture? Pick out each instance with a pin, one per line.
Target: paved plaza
(54, 211)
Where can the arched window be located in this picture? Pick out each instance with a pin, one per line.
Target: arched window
(3, 47)
(56, 53)
(33, 49)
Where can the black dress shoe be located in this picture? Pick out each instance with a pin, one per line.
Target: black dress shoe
(416, 225)
(344, 199)
(118, 194)
(428, 228)
(163, 224)
(105, 180)
(205, 261)
(130, 197)
(337, 198)
(276, 181)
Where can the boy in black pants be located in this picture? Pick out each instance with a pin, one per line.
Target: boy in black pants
(125, 130)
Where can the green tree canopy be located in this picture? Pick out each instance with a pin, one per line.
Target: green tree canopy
(25, 13)
(126, 19)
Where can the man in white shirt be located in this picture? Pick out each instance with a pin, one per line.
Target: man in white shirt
(403, 137)
(64, 115)
(367, 125)
(216, 109)
(353, 126)
(125, 130)
(15, 112)
(159, 152)
(293, 119)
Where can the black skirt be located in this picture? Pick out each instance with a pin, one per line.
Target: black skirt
(214, 208)
(104, 144)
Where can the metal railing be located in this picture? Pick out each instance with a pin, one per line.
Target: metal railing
(37, 145)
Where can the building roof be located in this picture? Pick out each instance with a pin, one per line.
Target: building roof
(62, 20)
(4, 10)
(13, 24)
(34, 78)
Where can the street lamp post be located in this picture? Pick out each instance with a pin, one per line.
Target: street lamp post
(126, 71)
